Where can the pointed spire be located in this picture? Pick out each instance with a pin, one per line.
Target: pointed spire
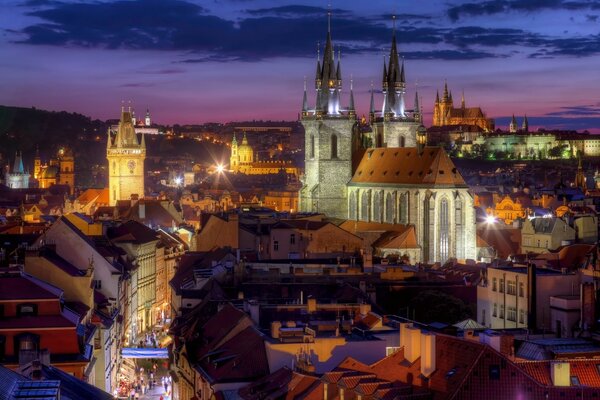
(385, 74)
(18, 166)
(445, 95)
(244, 139)
(372, 105)
(437, 96)
(351, 105)
(525, 125)
(304, 99)
(143, 143)
(513, 124)
(416, 108)
(450, 99)
(402, 79)
(462, 100)
(338, 70)
(234, 140)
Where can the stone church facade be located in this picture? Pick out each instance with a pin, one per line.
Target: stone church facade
(125, 154)
(388, 175)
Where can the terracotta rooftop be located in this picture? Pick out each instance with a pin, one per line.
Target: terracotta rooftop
(405, 166)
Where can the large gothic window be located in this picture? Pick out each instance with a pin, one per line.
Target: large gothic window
(444, 230)
(426, 228)
(459, 227)
(364, 206)
(377, 206)
(352, 206)
(389, 208)
(403, 207)
(334, 146)
(312, 146)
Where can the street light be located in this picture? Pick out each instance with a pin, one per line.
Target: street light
(490, 219)
(220, 168)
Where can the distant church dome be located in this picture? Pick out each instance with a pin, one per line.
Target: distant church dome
(246, 154)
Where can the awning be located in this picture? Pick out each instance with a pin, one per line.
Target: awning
(145, 352)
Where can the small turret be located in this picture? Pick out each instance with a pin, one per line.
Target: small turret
(513, 125)
(525, 126)
(351, 108)
(304, 101)
(462, 101)
(417, 109)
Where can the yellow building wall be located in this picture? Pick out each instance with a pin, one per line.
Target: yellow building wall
(94, 229)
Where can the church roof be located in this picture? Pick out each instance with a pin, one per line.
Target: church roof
(50, 173)
(471, 112)
(405, 166)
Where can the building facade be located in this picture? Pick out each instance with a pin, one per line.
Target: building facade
(125, 155)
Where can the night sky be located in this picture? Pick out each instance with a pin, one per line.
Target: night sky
(193, 61)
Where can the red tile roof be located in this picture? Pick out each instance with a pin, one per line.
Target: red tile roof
(405, 166)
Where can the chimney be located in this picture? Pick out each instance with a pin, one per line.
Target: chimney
(275, 327)
(404, 334)
(364, 309)
(311, 302)
(412, 351)
(254, 310)
(588, 305)
(560, 373)
(141, 210)
(427, 353)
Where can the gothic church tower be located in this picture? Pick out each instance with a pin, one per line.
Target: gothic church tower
(396, 126)
(125, 155)
(328, 140)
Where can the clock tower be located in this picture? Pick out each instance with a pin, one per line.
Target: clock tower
(125, 155)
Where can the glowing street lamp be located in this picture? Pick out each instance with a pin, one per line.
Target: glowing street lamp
(178, 181)
(220, 168)
(490, 219)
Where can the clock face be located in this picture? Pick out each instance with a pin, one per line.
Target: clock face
(131, 165)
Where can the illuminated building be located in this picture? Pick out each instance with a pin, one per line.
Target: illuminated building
(242, 161)
(126, 155)
(389, 178)
(444, 113)
(17, 178)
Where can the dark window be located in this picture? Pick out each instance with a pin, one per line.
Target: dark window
(334, 146)
(2, 346)
(276, 245)
(1, 310)
(494, 372)
(575, 381)
(97, 284)
(292, 238)
(27, 309)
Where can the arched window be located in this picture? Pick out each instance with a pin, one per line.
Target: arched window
(114, 167)
(364, 206)
(426, 228)
(444, 230)
(334, 146)
(377, 206)
(403, 209)
(459, 227)
(389, 208)
(401, 141)
(312, 146)
(352, 206)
